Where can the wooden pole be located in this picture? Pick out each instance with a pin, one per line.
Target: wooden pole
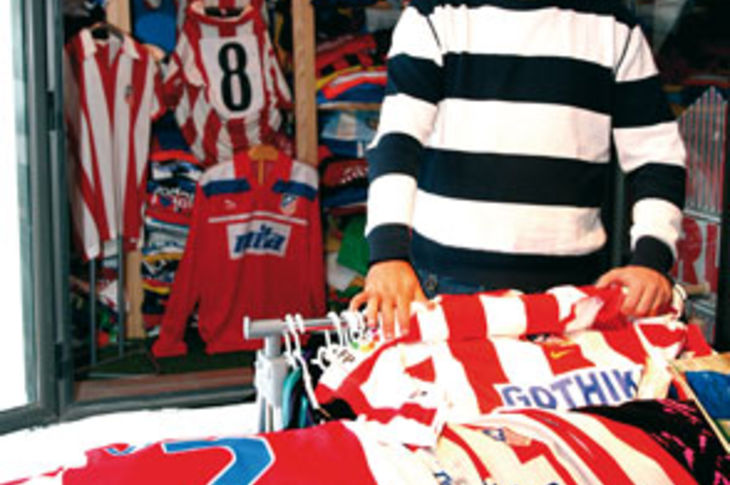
(305, 108)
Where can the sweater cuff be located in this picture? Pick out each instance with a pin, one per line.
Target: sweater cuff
(389, 242)
(652, 253)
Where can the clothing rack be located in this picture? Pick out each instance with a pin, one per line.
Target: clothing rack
(121, 305)
(271, 365)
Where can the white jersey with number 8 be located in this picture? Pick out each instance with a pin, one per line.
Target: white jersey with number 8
(224, 83)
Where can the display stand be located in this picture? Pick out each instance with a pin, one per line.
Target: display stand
(272, 367)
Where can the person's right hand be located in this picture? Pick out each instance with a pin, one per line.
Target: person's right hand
(390, 287)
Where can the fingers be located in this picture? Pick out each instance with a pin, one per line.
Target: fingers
(358, 301)
(604, 280)
(403, 314)
(647, 290)
(387, 313)
(371, 312)
(637, 300)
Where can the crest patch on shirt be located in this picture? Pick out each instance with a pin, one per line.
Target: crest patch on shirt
(288, 204)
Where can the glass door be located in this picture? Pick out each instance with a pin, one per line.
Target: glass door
(27, 376)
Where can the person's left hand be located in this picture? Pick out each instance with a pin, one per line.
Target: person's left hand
(647, 289)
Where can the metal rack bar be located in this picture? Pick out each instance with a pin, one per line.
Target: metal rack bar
(92, 311)
(274, 326)
(121, 301)
(272, 367)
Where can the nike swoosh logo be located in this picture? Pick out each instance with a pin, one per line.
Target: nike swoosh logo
(557, 354)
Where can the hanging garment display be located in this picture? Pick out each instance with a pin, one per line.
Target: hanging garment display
(112, 93)
(224, 83)
(254, 248)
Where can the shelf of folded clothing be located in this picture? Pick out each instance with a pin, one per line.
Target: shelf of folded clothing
(348, 106)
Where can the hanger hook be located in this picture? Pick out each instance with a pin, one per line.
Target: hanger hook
(287, 342)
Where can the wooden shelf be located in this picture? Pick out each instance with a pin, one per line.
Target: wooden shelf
(349, 106)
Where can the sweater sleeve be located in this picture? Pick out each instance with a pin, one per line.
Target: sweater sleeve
(413, 92)
(651, 152)
(185, 290)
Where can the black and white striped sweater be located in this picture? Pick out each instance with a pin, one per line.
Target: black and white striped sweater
(493, 149)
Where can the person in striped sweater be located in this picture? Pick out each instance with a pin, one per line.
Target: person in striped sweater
(493, 151)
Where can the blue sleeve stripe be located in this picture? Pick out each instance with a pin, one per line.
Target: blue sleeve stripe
(394, 153)
(653, 253)
(640, 103)
(657, 180)
(416, 77)
(295, 188)
(219, 187)
(389, 241)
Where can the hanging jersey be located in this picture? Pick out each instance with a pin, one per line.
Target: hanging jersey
(254, 249)
(112, 92)
(225, 84)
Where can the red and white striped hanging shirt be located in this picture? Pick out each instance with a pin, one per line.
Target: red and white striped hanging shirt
(225, 83)
(112, 92)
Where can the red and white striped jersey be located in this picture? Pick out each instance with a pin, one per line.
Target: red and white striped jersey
(468, 356)
(544, 447)
(112, 92)
(224, 83)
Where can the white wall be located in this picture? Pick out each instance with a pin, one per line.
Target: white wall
(12, 358)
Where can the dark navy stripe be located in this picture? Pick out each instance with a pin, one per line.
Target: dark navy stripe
(653, 253)
(495, 270)
(555, 80)
(420, 78)
(655, 180)
(640, 103)
(389, 241)
(295, 188)
(513, 178)
(395, 153)
(612, 8)
(219, 187)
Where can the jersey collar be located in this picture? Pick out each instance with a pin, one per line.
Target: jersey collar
(89, 46)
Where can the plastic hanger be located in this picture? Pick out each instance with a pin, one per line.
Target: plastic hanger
(102, 29)
(292, 323)
(223, 12)
(323, 359)
(288, 354)
(262, 153)
(355, 326)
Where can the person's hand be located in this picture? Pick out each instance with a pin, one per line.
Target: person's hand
(647, 289)
(390, 287)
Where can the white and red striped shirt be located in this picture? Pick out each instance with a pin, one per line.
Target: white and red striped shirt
(468, 356)
(225, 83)
(531, 446)
(113, 91)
